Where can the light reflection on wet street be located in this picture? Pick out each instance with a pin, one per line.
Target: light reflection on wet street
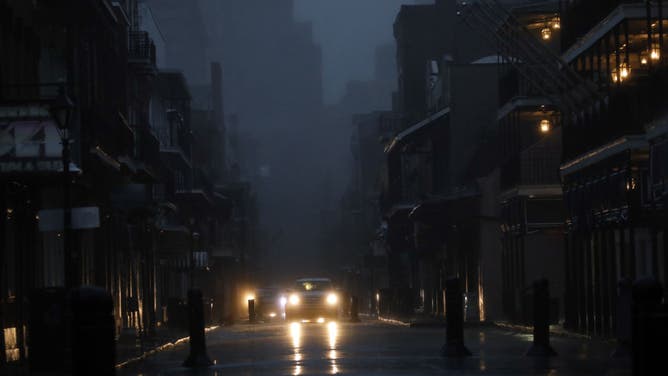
(373, 348)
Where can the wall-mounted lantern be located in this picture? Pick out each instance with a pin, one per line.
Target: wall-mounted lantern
(655, 52)
(545, 126)
(546, 33)
(622, 73)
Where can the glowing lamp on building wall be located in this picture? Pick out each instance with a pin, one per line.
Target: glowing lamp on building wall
(622, 73)
(545, 126)
(556, 23)
(655, 52)
(546, 33)
(644, 59)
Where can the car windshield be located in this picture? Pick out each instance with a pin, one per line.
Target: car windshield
(267, 293)
(313, 285)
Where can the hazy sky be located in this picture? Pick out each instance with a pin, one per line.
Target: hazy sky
(348, 31)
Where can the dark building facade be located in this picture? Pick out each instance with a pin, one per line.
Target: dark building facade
(529, 149)
(432, 202)
(147, 218)
(611, 157)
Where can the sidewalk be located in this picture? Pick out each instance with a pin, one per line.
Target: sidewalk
(439, 322)
(555, 330)
(129, 347)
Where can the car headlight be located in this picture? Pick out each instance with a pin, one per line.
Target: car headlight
(332, 299)
(294, 299)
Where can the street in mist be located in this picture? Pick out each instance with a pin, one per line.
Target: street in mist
(333, 186)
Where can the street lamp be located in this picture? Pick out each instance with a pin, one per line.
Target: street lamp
(61, 110)
(194, 240)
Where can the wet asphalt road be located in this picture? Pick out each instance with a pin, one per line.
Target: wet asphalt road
(374, 348)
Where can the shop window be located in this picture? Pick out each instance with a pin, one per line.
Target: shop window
(11, 345)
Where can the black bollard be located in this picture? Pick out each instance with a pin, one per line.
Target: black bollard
(648, 328)
(354, 309)
(47, 328)
(624, 319)
(92, 320)
(541, 320)
(454, 303)
(252, 315)
(198, 356)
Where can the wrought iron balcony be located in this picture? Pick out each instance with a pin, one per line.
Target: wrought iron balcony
(538, 165)
(580, 16)
(630, 108)
(141, 49)
(659, 170)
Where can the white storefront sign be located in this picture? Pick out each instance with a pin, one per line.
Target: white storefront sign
(82, 218)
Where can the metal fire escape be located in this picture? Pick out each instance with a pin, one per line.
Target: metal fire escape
(541, 67)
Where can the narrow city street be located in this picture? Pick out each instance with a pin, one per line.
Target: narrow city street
(375, 348)
(176, 173)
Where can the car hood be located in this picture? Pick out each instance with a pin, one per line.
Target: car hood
(313, 294)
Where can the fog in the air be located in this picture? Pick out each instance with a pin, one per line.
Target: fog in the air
(348, 31)
(294, 74)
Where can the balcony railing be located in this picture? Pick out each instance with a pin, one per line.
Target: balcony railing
(631, 107)
(202, 180)
(536, 165)
(141, 48)
(579, 16)
(513, 85)
(659, 171)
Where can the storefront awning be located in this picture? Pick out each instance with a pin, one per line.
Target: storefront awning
(105, 158)
(606, 151)
(400, 211)
(174, 239)
(415, 130)
(447, 209)
(174, 156)
(518, 102)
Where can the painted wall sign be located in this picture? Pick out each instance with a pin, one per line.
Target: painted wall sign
(29, 146)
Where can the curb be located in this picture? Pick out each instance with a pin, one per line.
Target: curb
(393, 321)
(528, 329)
(160, 348)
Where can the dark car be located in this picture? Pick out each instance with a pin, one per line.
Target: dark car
(270, 303)
(312, 299)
